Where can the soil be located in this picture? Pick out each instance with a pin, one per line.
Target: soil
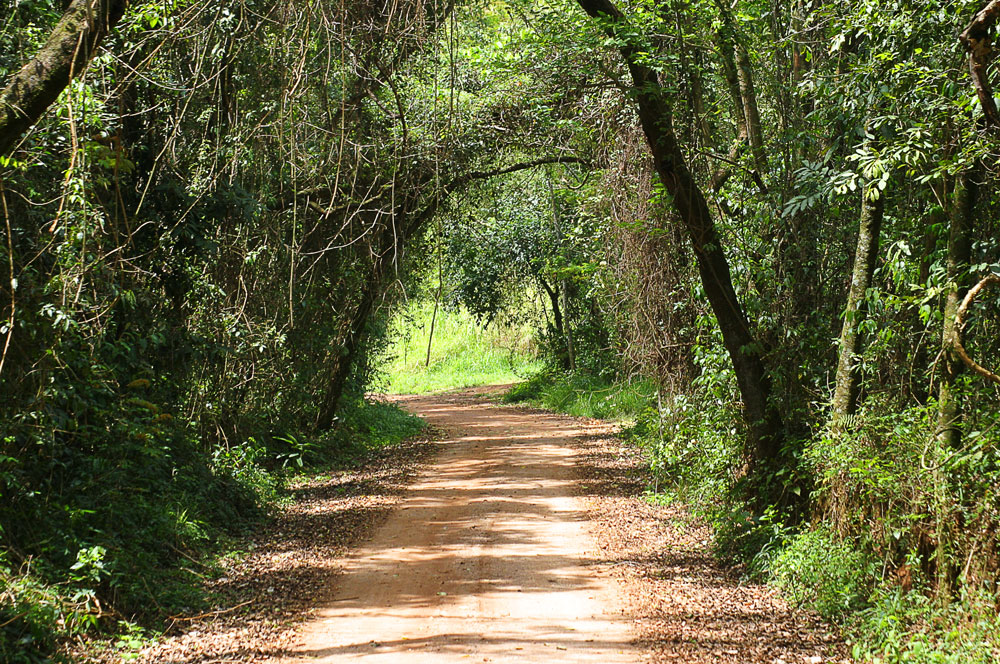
(488, 558)
(515, 536)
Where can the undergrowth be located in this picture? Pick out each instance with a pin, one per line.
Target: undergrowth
(867, 565)
(99, 553)
(584, 395)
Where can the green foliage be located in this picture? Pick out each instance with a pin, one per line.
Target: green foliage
(825, 573)
(206, 236)
(583, 395)
(245, 464)
(369, 425)
(31, 614)
(909, 627)
(464, 353)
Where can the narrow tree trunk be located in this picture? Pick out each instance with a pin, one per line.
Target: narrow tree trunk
(765, 428)
(348, 356)
(437, 302)
(728, 58)
(845, 395)
(748, 93)
(949, 436)
(754, 131)
(69, 48)
(553, 293)
(956, 267)
(567, 327)
(555, 296)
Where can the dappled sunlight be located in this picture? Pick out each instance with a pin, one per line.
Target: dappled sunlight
(488, 556)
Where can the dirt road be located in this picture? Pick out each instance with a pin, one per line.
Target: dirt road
(488, 557)
(513, 536)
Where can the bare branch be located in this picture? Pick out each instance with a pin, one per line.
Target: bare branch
(990, 280)
(979, 43)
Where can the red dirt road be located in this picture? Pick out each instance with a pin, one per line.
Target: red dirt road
(487, 558)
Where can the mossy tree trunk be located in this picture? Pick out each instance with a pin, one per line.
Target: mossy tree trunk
(65, 55)
(765, 444)
(956, 271)
(845, 396)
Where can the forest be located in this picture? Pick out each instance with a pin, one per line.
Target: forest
(774, 227)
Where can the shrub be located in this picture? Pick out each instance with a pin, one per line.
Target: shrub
(825, 573)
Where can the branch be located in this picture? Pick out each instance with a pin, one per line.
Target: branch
(439, 196)
(978, 42)
(69, 48)
(990, 280)
(323, 193)
(523, 166)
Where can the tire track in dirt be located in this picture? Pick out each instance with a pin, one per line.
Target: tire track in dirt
(488, 557)
(515, 536)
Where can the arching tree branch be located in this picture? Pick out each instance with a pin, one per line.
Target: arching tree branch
(979, 43)
(991, 280)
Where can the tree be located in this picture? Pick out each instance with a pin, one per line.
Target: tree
(64, 56)
(764, 425)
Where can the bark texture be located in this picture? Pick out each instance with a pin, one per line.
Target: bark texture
(845, 396)
(979, 43)
(748, 92)
(66, 53)
(949, 406)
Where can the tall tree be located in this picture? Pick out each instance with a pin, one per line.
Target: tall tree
(845, 396)
(653, 103)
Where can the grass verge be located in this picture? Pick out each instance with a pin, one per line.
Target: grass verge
(584, 395)
(689, 446)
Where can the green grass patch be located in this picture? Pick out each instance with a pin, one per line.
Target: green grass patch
(585, 395)
(464, 353)
(368, 426)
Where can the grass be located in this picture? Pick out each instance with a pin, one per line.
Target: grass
(585, 395)
(463, 352)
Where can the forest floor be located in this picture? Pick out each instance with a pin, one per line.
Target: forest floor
(515, 536)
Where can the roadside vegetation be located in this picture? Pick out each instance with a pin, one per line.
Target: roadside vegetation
(765, 234)
(115, 561)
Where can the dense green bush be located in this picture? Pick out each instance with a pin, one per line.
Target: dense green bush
(127, 528)
(823, 572)
(583, 395)
(907, 626)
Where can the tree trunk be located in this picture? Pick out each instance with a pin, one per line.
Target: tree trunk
(348, 356)
(747, 91)
(765, 428)
(557, 318)
(728, 57)
(69, 48)
(409, 226)
(956, 268)
(563, 287)
(845, 395)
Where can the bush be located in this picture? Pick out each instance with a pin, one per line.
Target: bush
(825, 573)
(909, 626)
(583, 394)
